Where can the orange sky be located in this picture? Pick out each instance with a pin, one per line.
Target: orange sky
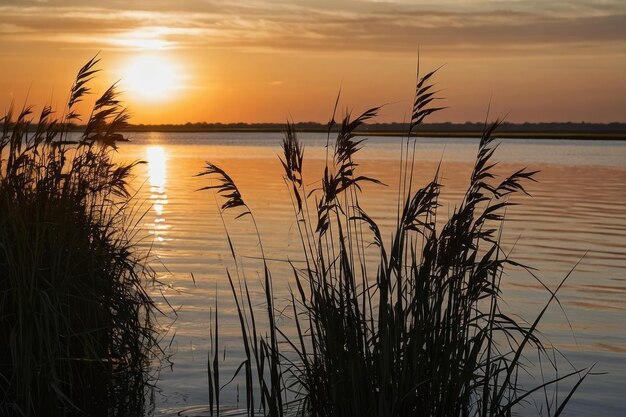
(264, 61)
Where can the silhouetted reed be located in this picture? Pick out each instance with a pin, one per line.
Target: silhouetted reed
(422, 333)
(76, 324)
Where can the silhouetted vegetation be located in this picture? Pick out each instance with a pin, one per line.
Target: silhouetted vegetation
(412, 326)
(76, 324)
(405, 327)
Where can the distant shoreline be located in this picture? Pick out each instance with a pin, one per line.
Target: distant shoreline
(573, 131)
(570, 131)
(616, 136)
(508, 135)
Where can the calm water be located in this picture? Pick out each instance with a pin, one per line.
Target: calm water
(577, 211)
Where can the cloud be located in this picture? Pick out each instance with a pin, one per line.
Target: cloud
(371, 26)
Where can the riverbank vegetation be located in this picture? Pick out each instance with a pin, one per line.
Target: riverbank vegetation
(407, 326)
(77, 326)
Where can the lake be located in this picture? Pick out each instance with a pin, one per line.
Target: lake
(577, 212)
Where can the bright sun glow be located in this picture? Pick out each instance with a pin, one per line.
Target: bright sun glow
(151, 78)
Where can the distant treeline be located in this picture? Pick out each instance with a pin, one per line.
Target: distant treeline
(569, 127)
(569, 130)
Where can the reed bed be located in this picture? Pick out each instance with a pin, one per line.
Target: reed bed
(76, 323)
(411, 327)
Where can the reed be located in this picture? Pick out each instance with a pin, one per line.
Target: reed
(414, 328)
(76, 323)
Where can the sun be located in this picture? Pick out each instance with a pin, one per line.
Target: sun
(151, 78)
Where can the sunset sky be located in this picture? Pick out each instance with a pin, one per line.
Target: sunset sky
(264, 61)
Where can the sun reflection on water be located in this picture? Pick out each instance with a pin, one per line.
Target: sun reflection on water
(157, 168)
(157, 177)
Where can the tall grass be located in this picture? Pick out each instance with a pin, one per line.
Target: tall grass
(76, 324)
(412, 328)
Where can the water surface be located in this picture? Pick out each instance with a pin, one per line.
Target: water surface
(576, 214)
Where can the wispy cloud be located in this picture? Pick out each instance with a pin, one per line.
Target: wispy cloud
(324, 26)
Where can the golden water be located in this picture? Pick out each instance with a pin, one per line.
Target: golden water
(577, 213)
